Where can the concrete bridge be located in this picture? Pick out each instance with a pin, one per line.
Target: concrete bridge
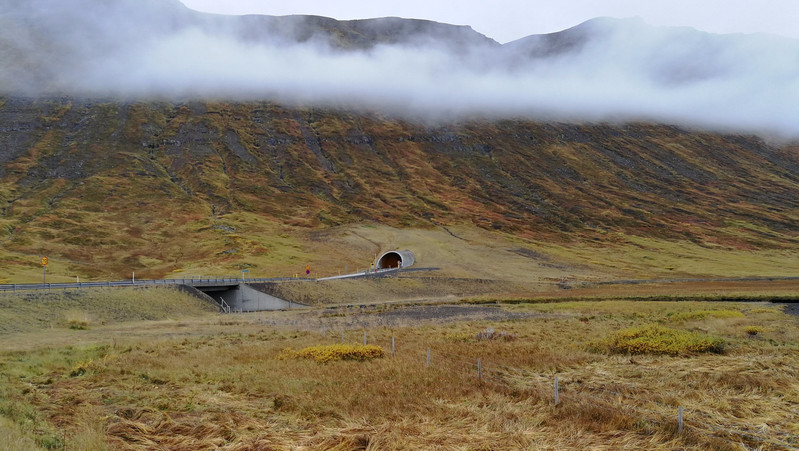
(239, 297)
(230, 294)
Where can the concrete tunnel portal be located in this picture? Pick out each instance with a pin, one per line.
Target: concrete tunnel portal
(395, 259)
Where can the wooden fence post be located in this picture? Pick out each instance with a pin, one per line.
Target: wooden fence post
(557, 395)
(679, 420)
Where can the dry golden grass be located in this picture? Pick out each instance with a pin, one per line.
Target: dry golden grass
(13, 437)
(410, 287)
(83, 309)
(217, 382)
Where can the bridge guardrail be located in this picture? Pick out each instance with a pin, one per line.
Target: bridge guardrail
(193, 281)
(138, 283)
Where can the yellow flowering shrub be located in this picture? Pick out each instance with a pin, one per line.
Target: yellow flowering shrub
(654, 339)
(753, 330)
(329, 353)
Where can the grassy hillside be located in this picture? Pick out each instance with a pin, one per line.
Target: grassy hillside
(84, 309)
(105, 189)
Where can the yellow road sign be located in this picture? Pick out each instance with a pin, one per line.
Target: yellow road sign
(45, 261)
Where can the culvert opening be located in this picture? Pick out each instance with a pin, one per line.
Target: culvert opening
(395, 259)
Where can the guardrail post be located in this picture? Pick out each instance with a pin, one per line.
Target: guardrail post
(428, 358)
(679, 420)
(479, 369)
(393, 349)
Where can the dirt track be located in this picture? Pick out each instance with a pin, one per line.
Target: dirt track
(404, 315)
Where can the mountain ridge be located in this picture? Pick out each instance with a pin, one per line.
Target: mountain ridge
(604, 70)
(193, 150)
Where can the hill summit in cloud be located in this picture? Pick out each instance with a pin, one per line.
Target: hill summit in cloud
(602, 70)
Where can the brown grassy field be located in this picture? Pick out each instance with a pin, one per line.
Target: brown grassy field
(194, 379)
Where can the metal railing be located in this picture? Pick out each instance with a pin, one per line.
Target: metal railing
(200, 281)
(193, 281)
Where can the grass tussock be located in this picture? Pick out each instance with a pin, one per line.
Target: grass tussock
(77, 319)
(490, 334)
(655, 339)
(329, 353)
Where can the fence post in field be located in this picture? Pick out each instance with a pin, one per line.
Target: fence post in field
(324, 331)
(428, 357)
(479, 369)
(557, 395)
(393, 349)
(342, 335)
(679, 420)
(364, 338)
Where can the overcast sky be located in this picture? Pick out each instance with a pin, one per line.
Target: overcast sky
(507, 20)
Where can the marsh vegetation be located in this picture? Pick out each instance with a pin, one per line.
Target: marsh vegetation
(194, 379)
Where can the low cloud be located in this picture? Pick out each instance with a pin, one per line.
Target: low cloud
(605, 70)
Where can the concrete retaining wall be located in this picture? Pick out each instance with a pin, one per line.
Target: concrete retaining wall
(243, 297)
(248, 299)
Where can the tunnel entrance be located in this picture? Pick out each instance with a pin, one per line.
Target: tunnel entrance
(395, 259)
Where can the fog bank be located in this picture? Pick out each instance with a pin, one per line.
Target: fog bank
(603, 70)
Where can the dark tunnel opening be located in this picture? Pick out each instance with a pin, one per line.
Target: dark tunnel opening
(395, 259)
(390, 260)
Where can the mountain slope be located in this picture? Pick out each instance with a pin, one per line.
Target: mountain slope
(155, 181)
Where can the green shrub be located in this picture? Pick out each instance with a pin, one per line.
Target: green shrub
(654, 339)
